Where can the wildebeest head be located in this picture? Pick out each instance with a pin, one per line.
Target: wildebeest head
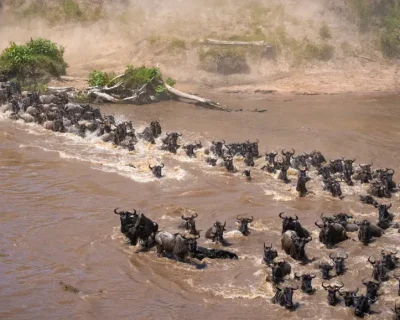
(217, 148)
(383, 211)
(288, 155)
(348, 297)
(172, 137)
(372, 288)
(364, 234)
(217, 231)
(339, 263)
(336, 165)
(348, 165)
(368, 200)
(248, 159)
(190, 148)
(289, 223)
(270, 157)
(156, 170)
(317, 159)
(365, 174)
(301, 187)
(191, 243)
(284, 169)
(211, 161)
(128, 219)
(143, 229)
(247, 173)
(325, 268)
(279, 270)
(332, 291)
(252, 148)
(155, 128)
(190, 223)
(389, 259)
(379, 273)
(325, 172)
(362, 305)
(243, 224)
(299, 244)
(333, 186)
(285, 296)
(228, 163)
(379, 189)
(306, 282)
(269, 254)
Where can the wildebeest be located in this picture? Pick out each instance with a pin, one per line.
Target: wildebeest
(128, 219)
(396, 311)
(294, 245)
(202, 253)
(216, 232)
(287, 156)
(368, 200)
(301, 187)
(243, 224)
(175, 244)
(325, 268)
(383, 211)
(368, 231)
(150, 133)
(339, 263)
(389, 259)
(190, 148)
(324, 171)
(333, 299)
(379, 189)
(306, 282)
(216, 148)
(248, 159)
(379, 273)
(333, 186)
(228, 163)
(156, 170)
(363, 173)
(283, 172)
(362, 305)
(316, 159)
(269, 254)
(252, 148)
(336, 165)
(289, 223)
(247, 173)
(211, 161)
(144, 229)
(372, 288)
(279, 270)
(348, 297)
(348, 165)
(189, 223)
(270, 158)
(331, 233)
(284, 297)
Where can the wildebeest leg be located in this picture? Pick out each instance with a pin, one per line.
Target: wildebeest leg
(160, 250)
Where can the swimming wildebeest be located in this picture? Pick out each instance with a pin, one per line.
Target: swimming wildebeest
(175, 244)
(372, 288)
(128, 219)
(202, 253)
(248, 159)
(284, 297)
(333, 299)
(279, 270)
(157, 170)
(331, 233)
(306, 282)
(247, 173)
(269, 254)
(144, 230)
(283, 172)
(336, 165)
(216, 232)
(243, 224)
(289, 223)
(287, 156)
(333, 186)
(362, 305)
(211, 161)
(228, 163)
(368, 231)
(325, 268)
(348, 297)
(294, 245)
(216, 148)
(189, 223)
(379, 273)
(301, 187)
(339, 263)
(150, 133)
(368, 200)
(389, 259)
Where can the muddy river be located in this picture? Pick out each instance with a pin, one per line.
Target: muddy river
(58, 193)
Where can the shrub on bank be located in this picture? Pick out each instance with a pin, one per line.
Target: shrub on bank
(38, 60)
(390, 37)
(223, 60)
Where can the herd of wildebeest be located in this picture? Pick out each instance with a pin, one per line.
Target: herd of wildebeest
(56, 113)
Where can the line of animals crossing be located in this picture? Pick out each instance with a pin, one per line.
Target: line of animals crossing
(55, 112)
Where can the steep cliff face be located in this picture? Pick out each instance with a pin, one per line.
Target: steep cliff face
(315, 45)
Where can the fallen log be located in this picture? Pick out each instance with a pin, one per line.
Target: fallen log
(234, 43)
(104, 96)
(61, 89)
(199, 100)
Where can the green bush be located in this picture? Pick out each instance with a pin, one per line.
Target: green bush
(39, 58)
(98, 78)
(363, 12)
(322, 52)
(390, 37)
(223, 60)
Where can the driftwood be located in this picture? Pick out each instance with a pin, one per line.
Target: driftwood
(61, 89)
(200, 101)
(234, 43)
(104, 96)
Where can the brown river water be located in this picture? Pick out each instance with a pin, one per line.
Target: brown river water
(58, 193)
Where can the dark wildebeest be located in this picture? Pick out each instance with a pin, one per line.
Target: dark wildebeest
(325, 172)
(252, 148)
(248, 159)
(279, 271)
(294, 245)
(211, 161)
(269, 254)
(368, 200)
(389, 259)
(216, 232)
(336, 165)
(333, 186)
(301, 187)
(228, 163)
(396, 311)
(331, 233)
(339, 263)
(150, 133)
(270, 158)
(379, 273)
(362, 305)
(299, 161)
(128, 219)
(368, 231)
(247, 173)
(156, 170)
(325, 267)
(317, 159)
(364, 174)
(333, 299)
(283, 172)
(175, 244)
(243, 224)
(379, 189)
(383, 212)
(216, 148)
(189, 223)
(144, 230)
(306, 282)
(171, 138)
(348, 165)
(348, 297)
(284, 297)
(287, 156)
(372, 288)
(202, 253)
(289, 223)
(190, 148)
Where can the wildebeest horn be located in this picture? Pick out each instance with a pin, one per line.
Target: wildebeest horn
(293, 151)
(179, 134)
(115, 211)
(270, 247)
(341, 286)
(309, 238)
(150, 167)
(224, 224)
(389, 206)
(297, 218)
(283, 152)
(184, 218)
(325, 287)
(296, 276)
(280, 215)
(168, 133)
(195, 216)
(250, 219)
(371, 262)
(374, 299)
(197, 237)
(346, 256)
(277, 287)
(297, 287)
(363, 281)
(355, 292)
(162, 165)
(312, 275)
(223, 141)
(331, 256)
(237, 217)
(316, 223)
